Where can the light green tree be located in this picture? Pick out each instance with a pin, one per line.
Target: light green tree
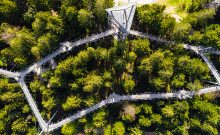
(85, 18)
(69, 129)
(100, 118)
(168, 111)
(92, 82)
(72, 102)
(119, 128)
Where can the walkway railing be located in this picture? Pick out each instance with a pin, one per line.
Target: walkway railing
(67, 46)
(197, 49)
(113, 98)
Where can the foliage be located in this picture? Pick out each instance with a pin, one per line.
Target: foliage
(72, 102)
(100, 119)
(200, 19)
(69, 129)
(119, 128)
(31, 30)
(85, 18)
(154, 20)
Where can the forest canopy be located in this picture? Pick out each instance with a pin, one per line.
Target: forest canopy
(88, 74)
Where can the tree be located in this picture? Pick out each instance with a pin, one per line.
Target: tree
(196, 37)
(147, 109)
(90, 101)
(8, 32)
(153, 19)
(156, 119)
(151, 16)
(35, 85)
(158, 83)
(47, 22)
(119, 128)
(201, 19)
(193, 67)
(19, 125)
(71, 2)
(20, 47)
(49, 104)
(129, 85)
(72, 102)
(168, 111)
(167, 25)
(85, 18)
(108, 130)
(195, 86)
(141, 47)
(2, 126)
(69, 13)
(45, 44)
(178, 81)
(128, 112)
(136, 131)
(8, 10)
(211, 36)
(100, 118)
(209, 130)
(197, 5)
(119, 66)
(181, 32)
(144, 121)
(55, 82)
(32, 131)
(69, 129)
(92, 82)
(99, 8)
(101, 54)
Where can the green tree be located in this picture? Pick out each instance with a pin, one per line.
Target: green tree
(8, 10)
(197, 5)
(69, 13)
(195, 86)
(85, 18)
(19, 125)
(178, 81)
(49, 104)
(100, 118)
(141, 47)
(144, 121)
(47, 22)
(119, 128)
(2, 126)
(72, 102)
(136, 131)
(69, 129)
(168, 111)
(211, 36)
(45, 44)
(154, 20)
(20, 47)
(99, 8)
(156, 119)
(92, 82)
(55, 82)
(200, 19)
(158, 83)
(108, 130)
(129, 85)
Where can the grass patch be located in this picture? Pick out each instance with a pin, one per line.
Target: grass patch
(178, 7)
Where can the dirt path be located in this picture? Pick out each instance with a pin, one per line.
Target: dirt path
(172, 11)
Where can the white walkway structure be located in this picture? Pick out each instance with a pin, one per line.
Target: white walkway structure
(113, 98)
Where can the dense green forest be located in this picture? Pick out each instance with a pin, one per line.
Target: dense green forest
(86, 75)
